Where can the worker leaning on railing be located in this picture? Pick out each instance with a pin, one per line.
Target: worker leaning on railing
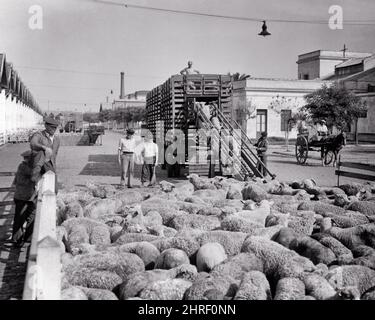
(262, 147)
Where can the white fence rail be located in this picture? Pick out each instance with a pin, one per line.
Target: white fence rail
(43, 276)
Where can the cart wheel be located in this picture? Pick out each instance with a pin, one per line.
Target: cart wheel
(329, 157)
(302, 149)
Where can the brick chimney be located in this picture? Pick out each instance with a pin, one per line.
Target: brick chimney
(122, 86)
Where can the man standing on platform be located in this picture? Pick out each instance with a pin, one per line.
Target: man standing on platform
(126, 151)
(45, 146)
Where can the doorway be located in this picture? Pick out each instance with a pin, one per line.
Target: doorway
(261, 121)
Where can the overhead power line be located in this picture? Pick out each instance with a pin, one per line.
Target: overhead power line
(87, 72)
(212, 15)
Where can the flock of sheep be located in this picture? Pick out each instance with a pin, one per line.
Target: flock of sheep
(218, 239)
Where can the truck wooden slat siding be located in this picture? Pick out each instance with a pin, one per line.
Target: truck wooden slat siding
(169, 105)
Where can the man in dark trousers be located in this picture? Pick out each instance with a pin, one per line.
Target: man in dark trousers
(25, 197)
(262, 146)
(45, 146)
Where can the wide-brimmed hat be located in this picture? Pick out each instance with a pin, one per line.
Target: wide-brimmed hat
(26, 153)
(130, 131)
(51, 122)
(323, 121)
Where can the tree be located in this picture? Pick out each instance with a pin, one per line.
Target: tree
(101, 108)
(338, 106)
(238, 76)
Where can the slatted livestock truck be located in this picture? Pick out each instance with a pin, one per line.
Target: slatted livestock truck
(172, 107)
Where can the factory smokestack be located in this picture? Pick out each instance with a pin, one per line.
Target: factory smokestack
(122, 86)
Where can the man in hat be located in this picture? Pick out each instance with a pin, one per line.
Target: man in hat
(262, 146)
(45, 146)
(126, 151)
(24, 199)
(321, 128)
(189, 69)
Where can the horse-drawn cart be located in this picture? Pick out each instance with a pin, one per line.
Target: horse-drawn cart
(328, 147)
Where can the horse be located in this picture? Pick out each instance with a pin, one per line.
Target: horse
(334, 143)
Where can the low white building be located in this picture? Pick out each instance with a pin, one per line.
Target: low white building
(269, 104)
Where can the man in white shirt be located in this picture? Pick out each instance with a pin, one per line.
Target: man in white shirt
(126, 150)
(150, 154)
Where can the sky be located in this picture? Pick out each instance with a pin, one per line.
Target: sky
(96, 41)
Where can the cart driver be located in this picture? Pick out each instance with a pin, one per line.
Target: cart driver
(189, 69)
(322, 130)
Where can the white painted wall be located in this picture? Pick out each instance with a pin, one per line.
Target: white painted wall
(16, 116)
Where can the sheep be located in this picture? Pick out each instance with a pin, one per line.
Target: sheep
(312, 249)
(224, 286)
(73, 293)
(231, 241)
(93, 278)
(188, 245)
(209, 255)
(122, 263)
(349, 219)
(234, 192)
(318, 287)
(320, 208)
(98, 294)
(251, 191)
(257, 215)
(145, 250)
(278, 261)
(210, 195)
(201, 183)
(343, 254)
(101, 190)
(191, 208)
(361, 277)
(210, 211)
(194, 221)
(171, 258)
(237, 265)
(128, 197)
(83, 197)
(369, 295)
(73, 210)
(365, 207)
(239, 224)
(134, 237)
(351, 189)
(254, 286)
(101, 207)
(302, 222)
(195, 199)
(290, 289)
(170, 289)
(355, 236)
(285, 236)
(137, 282)
(166, 186)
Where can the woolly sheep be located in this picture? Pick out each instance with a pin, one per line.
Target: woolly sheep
(98, 294)
(285, 236)
(231, 241)
(343, 254)
(128, 197)
(171, 258)
(302, 222)
(290, 289)
(194, 221)
(93, 278)
(73, 210)
(253, 192)
(278, 261)
(254, 286)
(200, 290)
(234, 192)
(365, 207)
(209, 255)
(170, 289)
(145, 250)
(188, 245)
(349, 219)
(312, 249)
(101, 207)
(318, 287)
(358, 276)
(134, 237)
(237, 265)
(73, 293)
(351, 189)
(239, 224)
(101, 190)
(320, 207)
(134, 284)
(200, 183)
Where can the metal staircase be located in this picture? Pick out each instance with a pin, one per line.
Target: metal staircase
(246, 161)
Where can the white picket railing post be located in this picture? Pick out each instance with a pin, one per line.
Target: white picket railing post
(43, 277)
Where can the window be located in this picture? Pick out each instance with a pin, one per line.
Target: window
(285, 116)
(363, 114)
(305, 77)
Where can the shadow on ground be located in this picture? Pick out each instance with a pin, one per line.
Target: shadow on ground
(101, 165)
